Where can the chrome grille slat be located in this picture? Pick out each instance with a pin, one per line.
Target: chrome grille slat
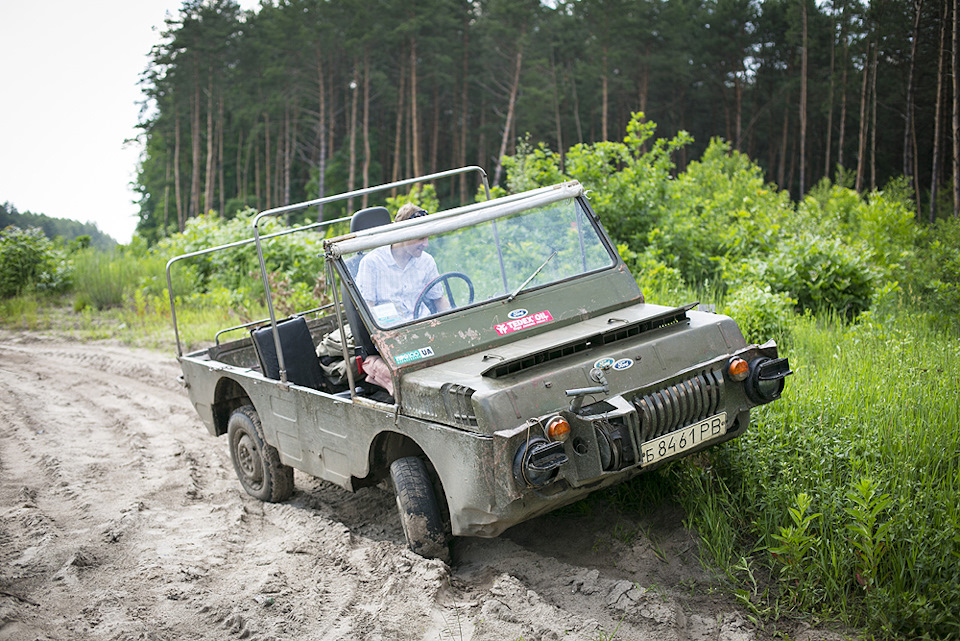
(683, 403)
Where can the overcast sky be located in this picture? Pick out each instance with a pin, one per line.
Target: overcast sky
(69, 75)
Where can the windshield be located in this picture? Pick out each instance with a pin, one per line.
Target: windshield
(492, 259)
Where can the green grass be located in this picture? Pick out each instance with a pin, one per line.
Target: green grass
(852, 479)
(842, 501)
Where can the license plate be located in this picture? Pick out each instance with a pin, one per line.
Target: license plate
(678, 442)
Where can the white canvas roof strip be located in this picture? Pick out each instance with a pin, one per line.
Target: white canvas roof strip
(449, 220)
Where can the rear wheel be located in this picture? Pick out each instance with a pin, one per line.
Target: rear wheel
(419, 512)
(257, 464)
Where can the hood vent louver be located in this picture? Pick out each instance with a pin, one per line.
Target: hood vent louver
(458, 401)
(670, 317)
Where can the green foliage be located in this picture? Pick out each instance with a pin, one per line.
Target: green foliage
(719, 210)
(627, 183)
(425, 196)
(823, 274)
(107, 279)
(29, 261)
(795, 543)
(297, 256)
(866, 432)
(936, 279)
(761, 313)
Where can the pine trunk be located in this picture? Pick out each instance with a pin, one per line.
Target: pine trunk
(908, 142)
(782, 175)
(398, 138)
(803, 103)
(266, 161)
(556, 108)
(220, 164)
(873, 119)
(605, 97)
(511, 108)
(435, 130)
(464, 113)
(177, 192)
(365, 177)
(414, 116)
(354, 101)
(166, 199)
(833, 51)
(208, 183)
(321, 135)
(862, 139)
(195, 147)
(956, 114)
(938, 115)
(841, 139)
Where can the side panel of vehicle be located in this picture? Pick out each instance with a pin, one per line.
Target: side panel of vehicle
(345, 442)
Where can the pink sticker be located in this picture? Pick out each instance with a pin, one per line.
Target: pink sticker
(523, 323)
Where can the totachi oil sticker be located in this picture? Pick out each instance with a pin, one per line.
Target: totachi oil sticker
(523, 322)
(415, 355)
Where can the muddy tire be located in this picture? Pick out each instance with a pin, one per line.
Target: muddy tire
(419, 512)
(257, 464)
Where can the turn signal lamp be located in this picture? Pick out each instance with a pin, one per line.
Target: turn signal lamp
(558, 429)
(738, 369)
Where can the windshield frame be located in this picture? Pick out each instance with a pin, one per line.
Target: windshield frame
(342, 248)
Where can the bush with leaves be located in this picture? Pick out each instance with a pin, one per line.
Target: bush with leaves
(760, 312)
(627, 181)
(936, 278)
(30, 261)
(295, 256)
(823, 274)
(882, 221)
(719, 209)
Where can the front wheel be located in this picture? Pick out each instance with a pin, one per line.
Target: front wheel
(419, 512)
(257, 464)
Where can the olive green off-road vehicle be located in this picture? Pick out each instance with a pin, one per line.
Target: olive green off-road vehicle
(544, 378)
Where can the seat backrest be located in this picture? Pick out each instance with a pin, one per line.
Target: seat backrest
(363, 219)
(299, 353)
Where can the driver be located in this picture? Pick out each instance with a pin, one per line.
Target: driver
(391, 278)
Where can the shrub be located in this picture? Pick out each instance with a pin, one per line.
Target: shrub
(628, 181)
(30, 261)
(719, 209)
(823, 275)
(761, 313)
(107, 279)
(659, 283)
(937, 275)
(883, 221)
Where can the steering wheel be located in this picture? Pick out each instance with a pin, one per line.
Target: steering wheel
(444, 278)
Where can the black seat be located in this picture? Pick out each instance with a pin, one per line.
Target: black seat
(299, 353)
(363, 219)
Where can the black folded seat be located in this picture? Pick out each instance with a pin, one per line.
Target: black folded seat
(299, 353)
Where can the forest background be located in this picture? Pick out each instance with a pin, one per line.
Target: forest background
(714, 136)
(305, 97)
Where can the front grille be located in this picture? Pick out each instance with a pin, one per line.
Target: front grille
(678, 405)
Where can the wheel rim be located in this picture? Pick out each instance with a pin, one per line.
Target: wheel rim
(248, 460)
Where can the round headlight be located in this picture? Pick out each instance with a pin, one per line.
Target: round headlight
(765, 384)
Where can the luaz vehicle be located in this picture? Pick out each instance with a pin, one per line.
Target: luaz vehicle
(539, 376)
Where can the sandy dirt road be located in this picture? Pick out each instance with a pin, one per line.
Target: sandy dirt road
(121, 519)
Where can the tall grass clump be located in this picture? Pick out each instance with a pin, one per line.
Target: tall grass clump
(109, 279)
(848, 488)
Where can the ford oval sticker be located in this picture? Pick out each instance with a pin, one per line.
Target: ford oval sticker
(517, 313)
(604, 363)
(623, 363)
